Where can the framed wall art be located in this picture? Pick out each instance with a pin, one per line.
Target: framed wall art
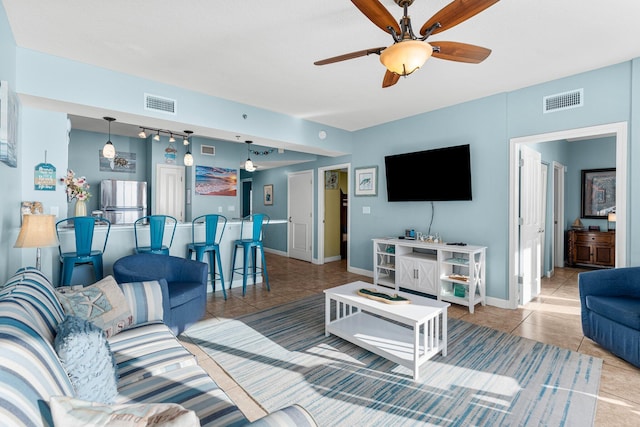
(9, 116)
(366, 181)
(268, 195)
(598, 192)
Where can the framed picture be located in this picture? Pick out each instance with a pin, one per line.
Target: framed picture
(215, 181)
(268, 195)
(330, 180)
(9, 116)
(598, 192)
(366, 181)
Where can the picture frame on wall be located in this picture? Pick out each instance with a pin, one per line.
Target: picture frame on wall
(268, 195)
(9, 116)
(366, 181)
(598, 193)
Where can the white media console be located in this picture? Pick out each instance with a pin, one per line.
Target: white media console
(449, 272)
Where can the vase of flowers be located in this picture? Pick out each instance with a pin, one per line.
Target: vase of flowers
(77, 188)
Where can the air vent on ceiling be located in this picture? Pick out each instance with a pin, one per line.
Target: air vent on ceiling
(159, 103)
(208, 150)
(563, 101)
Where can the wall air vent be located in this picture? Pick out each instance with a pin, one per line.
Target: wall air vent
(208, 150)
(563, 101)
(159, 103)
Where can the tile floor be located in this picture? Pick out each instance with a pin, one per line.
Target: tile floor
(553, 318)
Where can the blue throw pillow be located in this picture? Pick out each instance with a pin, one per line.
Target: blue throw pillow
(84, 352)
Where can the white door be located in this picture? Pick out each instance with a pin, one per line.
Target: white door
(169, 191)
(543, 216)
(530, 223)
(300, 199)
(558, 214)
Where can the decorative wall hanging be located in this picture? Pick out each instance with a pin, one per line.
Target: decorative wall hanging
(366, 181)
(123, 162)
(214, 181)
(268, 195)
(330, 180)
(9, 116)
(598, 192)
(44, 177)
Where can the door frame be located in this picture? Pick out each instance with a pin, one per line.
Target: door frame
(620, 131)
(557, 198)
(320, 217)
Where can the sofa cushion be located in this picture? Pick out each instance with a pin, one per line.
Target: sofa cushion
(624, 310)
(148, 350)
(102, 303)
(71, 412)
(30, 372)
(33, 291)
(189, 387)
(182, 292)
(85, 354)
(148, 301)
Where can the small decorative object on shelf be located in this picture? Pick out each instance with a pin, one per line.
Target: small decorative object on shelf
(77, 188)
(382, 297)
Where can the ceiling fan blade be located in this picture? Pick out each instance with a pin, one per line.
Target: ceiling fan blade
(378, 14)
(346, 56)
(461, 52)
(390, 79)
(456, 12)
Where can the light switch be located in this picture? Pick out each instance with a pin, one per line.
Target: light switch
(231, 208)
(366, 210)
(219, 209)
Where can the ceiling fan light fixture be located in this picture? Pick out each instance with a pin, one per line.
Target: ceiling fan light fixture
(405, 57)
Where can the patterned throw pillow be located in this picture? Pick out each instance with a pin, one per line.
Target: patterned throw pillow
(85, 354)
(102, 303)
(149, 301)
(71, 412)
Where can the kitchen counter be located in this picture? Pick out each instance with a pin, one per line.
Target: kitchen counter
(122, 243)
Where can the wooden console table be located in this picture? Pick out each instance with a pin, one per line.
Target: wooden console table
(591, 248)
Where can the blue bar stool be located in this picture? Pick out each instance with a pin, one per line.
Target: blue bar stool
(157, 225)
(211, 245)
(249, 247)
(83, 227)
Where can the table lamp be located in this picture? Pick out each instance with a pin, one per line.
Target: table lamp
(611, 218)
(38, 231)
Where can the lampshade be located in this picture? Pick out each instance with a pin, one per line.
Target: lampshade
(38, 231)
(611, 217)
(156, 137)
(188, 159)
(249, 166)
(142, 133)
(406, 56)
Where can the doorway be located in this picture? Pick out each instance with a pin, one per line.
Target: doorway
(345, 168)
(620, 132)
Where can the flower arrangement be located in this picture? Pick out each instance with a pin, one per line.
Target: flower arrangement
(77, 188)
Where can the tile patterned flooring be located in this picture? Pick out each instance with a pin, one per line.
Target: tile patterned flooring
(553, 318)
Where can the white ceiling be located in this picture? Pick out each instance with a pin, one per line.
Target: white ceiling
(261, 53)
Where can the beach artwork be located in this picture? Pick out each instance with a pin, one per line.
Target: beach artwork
(212, 181)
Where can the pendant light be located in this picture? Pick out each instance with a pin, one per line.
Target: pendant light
(109, 151)
(188, 157)
(248, 165)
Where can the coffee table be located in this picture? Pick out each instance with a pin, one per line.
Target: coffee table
(407, 334)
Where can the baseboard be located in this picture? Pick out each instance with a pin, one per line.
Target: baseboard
(332, 258)
(360, 271)
(498, 302)
(276, 252)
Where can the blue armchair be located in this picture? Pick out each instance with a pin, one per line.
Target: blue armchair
(610, 310)
(186, 279)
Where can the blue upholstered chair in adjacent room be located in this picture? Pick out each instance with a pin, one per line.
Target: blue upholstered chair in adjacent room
(249, 247)
(83, 227)
(214, 226)
(156, 224)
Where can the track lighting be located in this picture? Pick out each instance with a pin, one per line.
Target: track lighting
(157, 136)
(142, 133)
(109, 151)
(171, 138)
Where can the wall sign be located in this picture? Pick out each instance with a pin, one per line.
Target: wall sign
(44, 177)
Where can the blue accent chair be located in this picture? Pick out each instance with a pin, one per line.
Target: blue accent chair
(610, 310)
(83, 227)
(249, 248)
(156, 224)
(211, 245)
(186, 280)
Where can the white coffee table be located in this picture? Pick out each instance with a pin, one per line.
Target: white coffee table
(352, 319)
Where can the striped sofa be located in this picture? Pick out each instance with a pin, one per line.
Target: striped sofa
(153, 366)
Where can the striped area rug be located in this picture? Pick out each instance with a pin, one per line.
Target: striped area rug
(280, 356)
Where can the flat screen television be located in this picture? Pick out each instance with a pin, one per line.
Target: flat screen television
(432, 175)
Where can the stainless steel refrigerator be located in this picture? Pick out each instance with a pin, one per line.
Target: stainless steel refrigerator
(123, 202)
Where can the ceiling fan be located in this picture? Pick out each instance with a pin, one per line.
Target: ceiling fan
(408, 51)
